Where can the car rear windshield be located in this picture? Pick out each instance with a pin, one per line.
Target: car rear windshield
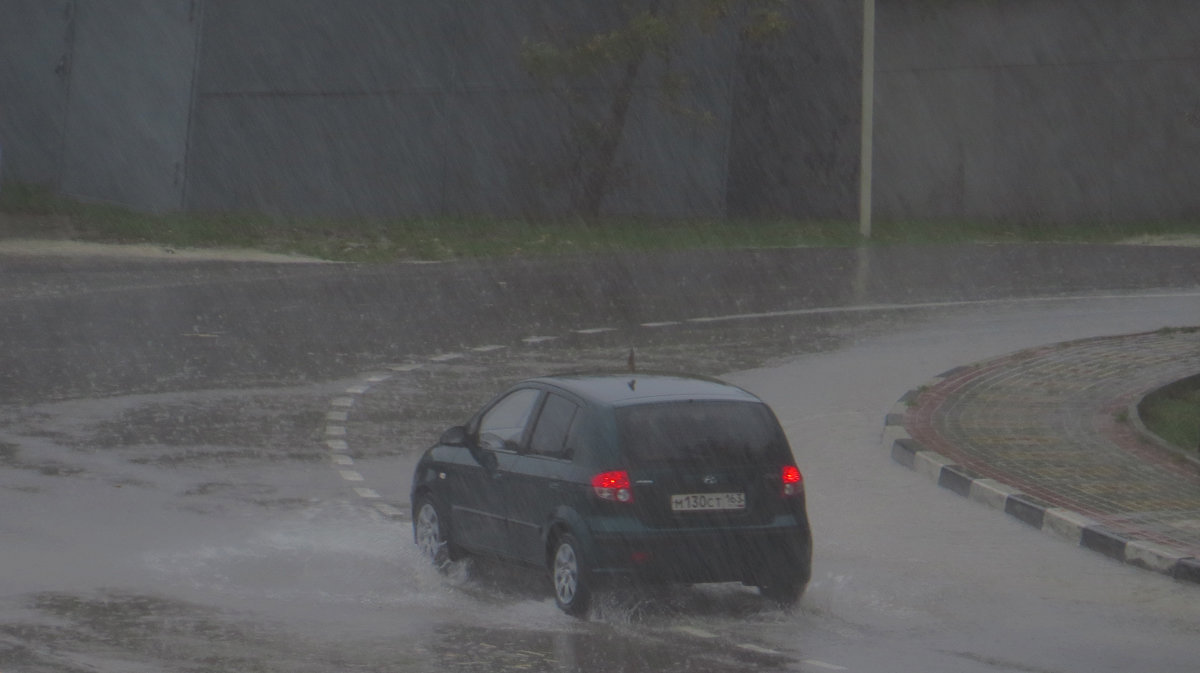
(707, 432)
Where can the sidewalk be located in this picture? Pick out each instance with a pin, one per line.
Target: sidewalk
(1049, 435)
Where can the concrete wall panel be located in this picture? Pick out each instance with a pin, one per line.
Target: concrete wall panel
(795, 119)
(675, 153)
(923, 35)
(1054, 154)
(431, 96)
(1058, 110)
(502, 154)
(131, 94)
(318, 155)
(34, 55)
(311, 46)
(935, 140)
(1018, 110)
(1156, 141)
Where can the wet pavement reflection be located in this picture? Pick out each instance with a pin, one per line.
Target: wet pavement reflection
(598, 650)
(173, 507)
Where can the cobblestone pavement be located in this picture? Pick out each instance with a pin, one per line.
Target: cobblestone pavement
(1050, 435)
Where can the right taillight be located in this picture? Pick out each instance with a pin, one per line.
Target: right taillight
(793, 481)
(613, 486)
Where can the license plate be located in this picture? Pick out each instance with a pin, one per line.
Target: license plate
(708, 502)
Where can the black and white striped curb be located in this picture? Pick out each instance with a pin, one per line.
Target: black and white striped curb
(1064, 523)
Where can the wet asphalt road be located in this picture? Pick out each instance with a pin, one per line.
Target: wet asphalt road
(188, 403)
(78, 328)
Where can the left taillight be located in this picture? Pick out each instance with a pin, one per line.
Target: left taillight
(614, 486)
(793, 481)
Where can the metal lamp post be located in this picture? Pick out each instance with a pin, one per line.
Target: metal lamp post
(866, 155)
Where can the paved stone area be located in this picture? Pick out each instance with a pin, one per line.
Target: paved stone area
(1050, 435)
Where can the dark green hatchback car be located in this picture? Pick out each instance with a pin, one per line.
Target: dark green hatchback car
(658, 477)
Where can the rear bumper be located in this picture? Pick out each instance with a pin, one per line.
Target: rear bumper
(753, 555)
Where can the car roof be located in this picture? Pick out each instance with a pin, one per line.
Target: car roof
(624, 389)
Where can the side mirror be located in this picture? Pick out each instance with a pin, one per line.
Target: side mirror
(487, 459)
(455, 436)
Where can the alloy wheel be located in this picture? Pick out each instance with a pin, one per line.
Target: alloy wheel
(566, 574)
(429, 533)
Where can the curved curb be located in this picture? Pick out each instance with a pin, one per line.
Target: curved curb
(1135, 420)
(1060, 522)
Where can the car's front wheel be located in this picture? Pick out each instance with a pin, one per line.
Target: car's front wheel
(569, 571)
(429, 531)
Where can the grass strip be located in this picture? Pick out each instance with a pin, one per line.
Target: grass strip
(34, 212)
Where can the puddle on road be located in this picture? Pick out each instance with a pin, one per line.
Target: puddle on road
(585, 650)
(111, 631)
(129, 631)
(204, 451)
(246, 428)
(630, 628)
(232, 427)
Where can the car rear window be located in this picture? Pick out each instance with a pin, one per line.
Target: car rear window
(708, 432)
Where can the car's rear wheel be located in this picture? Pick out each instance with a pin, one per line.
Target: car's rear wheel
(784, 579)
(429, 530)
(569, 571)
(783, 592)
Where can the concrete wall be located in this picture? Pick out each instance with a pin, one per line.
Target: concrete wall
(1016, 110)
(34, 52)
(796, 111)
(96, 96)
(411, 107)
(130, 98)
(1033, 111)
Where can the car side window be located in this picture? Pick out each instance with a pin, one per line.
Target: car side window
(506, 420)
(553, 427)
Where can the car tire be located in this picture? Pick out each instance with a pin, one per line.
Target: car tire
(570, 576)
(431, 533)
(782, 592)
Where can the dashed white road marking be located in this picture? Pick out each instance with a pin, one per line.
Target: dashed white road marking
(751, 647)
(446, 357)
(693, 631)
(869, 308)
(335, 431)
(665, 323)
(595, 330)
(821, 664)
(538, 339)
(389, 511)
(488, 348)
